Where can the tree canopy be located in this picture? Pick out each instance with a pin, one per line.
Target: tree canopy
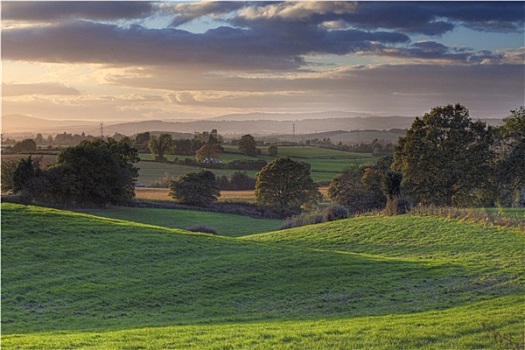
(27, 145)
(286, 185)
(159, 146)
(93, 173)
(510, 150)
(248, 146)
(445, 158)
(210, 151)
(200, 188)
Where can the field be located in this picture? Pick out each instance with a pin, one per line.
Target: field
(224, 224)
(162, 194)
(78, 281)
(325, 163)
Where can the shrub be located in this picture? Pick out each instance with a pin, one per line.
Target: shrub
(335, 212)
(310, 218)
(203, 229)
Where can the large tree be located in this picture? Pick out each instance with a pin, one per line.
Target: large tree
(27, 145)
(209, 152)
(286, 185)
(199, 188)
(510, 150)
(358, 189)
(446, 158)
(248, 146)
(98, 172)
(159, 146)
(93, 173)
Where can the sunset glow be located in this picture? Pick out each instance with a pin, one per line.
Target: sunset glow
(127, 61)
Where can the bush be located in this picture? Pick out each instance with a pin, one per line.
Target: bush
(203, 229)
(310, 218)
(335, 212)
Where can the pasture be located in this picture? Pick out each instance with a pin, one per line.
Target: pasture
(325, 163)
(73, 280)
(224, 224)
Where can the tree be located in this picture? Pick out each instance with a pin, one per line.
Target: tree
(159, 146)
(141, 141)
(199, 188)
(184, 147)
(8, 170)
(210, 151)
(510, 168)
(247, 146)
(445, 158)
(92, 173)
(97, 172)
(272, 151)
(24, 175)
(27, 145)
(391, 187)
(39, 139)
(286, 185)
(357, 189)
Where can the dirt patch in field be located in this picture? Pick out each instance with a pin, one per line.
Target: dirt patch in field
(163, 194)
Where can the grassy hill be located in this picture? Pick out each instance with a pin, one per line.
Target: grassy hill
(74, 280)
(224, 224)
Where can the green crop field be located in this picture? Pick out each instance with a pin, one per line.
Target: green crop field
(78, 281)
(224, 224)
(325, 163)
(150, 172)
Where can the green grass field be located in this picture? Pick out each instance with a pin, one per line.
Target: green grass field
(224, 224)
(73, 280)
(325, 163)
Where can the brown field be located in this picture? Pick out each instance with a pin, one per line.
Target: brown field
(242, 196)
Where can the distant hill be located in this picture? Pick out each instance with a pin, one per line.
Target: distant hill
(291, 116)
(17, 123)
(257, 124)
(264, 127)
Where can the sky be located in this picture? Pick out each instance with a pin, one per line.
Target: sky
(135, 61)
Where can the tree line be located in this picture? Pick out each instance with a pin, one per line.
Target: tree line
(445, 159)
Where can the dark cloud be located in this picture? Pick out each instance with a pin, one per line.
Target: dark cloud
(56, 10)
(428, 18)
(496, 16)
(13, 89)
(223, 47)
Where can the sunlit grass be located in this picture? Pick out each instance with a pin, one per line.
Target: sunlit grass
(72, 280)
(456, 328)
(224, 224)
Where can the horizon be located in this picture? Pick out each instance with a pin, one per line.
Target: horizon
(118, 62)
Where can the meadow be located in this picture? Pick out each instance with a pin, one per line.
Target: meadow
(325, 163)
(224, 224)
(74, 280)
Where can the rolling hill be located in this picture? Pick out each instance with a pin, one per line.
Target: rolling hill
(74, 280)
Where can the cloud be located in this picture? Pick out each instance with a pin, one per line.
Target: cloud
(223, 47)
(186, 12)
(14, 89)
(59, 10)
(428, 18)
(487, 89)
